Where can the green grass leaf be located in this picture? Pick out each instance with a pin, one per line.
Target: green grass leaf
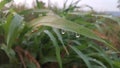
(14, 29)
(58, 22)
(101, 53)
(7, 24)
(57, 48)
(98, 62)
(82, 56)
(60, 38)
(2, 3)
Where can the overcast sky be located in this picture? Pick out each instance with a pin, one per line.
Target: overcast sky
(98, 5)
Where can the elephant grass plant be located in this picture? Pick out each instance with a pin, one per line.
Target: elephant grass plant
(51, 40)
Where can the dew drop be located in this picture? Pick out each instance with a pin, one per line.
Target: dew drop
(77, 35)
(62, 31)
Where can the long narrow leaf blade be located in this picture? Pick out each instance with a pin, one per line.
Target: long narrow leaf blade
(2, 3)
(58, 22)
(57, 48)
(13, 29)
(82, 56)
(60, 38)
(98, 62)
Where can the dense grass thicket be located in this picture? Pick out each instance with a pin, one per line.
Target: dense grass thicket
(52, 37)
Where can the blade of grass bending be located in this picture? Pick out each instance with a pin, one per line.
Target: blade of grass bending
(58, 22)
(7, 24)
(60, 38)
(98, 62)
(57, 48)
(82, 56)
(102, 54)
(14, 29)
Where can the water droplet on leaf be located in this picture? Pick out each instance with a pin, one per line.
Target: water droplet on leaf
(77, 35)
(62, 31)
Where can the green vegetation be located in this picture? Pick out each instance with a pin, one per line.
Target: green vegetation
(50, 37)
